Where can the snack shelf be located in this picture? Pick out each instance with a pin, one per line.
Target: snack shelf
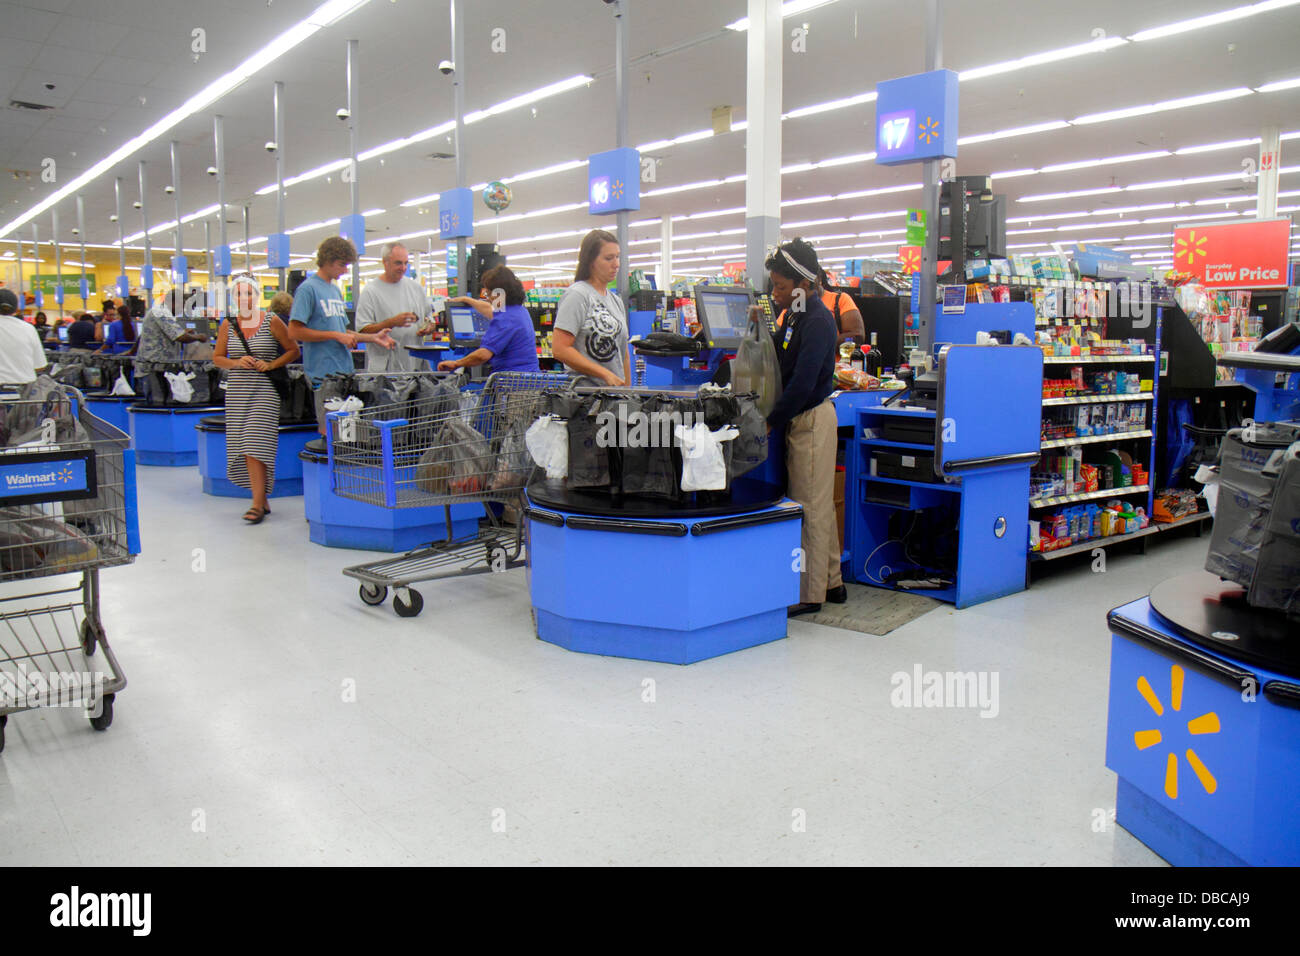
(1093, 543)
(1088, 496)
(1093, 399)
(1094, 439)
(1095, 359)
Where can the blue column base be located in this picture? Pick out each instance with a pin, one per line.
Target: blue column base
(1167, 834)
(225, 488)
(288, 466)
(337, 522)
(659, 643)
(166, 436)
(166, 459)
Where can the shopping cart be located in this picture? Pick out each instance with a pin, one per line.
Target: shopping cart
(469, 450)
(67, 506)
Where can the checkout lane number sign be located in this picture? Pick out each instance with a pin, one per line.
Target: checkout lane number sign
(34, 477)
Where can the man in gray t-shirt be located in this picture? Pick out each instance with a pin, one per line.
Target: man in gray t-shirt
(598, 323)
(394, 302)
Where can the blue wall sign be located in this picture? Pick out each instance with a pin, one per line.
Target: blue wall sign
(456, 214)
(277, 251)
(916, 118)
(614, 181)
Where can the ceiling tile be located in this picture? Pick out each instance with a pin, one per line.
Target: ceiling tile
(122, 69)
(25, 23)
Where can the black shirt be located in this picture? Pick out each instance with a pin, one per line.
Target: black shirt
(81, 334)
(805, 348)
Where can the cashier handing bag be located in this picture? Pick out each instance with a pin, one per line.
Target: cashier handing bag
(806, 347)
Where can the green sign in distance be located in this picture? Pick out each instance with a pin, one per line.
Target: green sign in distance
(71, 283)
(916, 227)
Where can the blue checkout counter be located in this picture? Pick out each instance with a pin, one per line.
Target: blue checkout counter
(338, 522)
(713, 579)
(166, 435)
(111, 408)
(288, 466)
(1203, 725)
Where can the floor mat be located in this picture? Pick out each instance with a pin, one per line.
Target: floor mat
(873, 610)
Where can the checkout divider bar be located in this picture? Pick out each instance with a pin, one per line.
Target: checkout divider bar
(1204, 662)
(965, 464)
(1283, 692)
(745, 521)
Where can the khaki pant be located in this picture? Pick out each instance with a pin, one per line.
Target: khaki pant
(810, 442)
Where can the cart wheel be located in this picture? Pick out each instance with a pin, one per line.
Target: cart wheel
(4, 719)
(373, 594)
(90, 637)
(413, 605)
(105, 718)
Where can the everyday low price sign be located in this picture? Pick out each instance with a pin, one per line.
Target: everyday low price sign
(1235, 255)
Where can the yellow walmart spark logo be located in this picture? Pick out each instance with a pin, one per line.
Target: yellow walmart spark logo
(1204, 724)
(929, 130)
(618, 189)
(64, 474)
(1190, 247)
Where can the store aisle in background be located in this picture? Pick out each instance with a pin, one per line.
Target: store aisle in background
(469, 741)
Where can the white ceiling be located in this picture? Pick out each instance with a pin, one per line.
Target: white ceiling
(119, 65)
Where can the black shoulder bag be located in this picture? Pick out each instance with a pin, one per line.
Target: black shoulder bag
(279, 376)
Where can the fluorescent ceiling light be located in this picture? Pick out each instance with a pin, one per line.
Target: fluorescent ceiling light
(1016, 131)
(842, 103)
(322, 16)
(788, 9)
(1280, 85)
(1013, 173)
(1211, 147)
(1070, 195)
(1105, 161)
(1036, 59)
(1210, 19)
(1181, 103)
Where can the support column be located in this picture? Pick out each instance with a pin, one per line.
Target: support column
(665, 252)
(124, 287)
(179, 274)
(621, 136)
(458, 87)
(1270, 162)
(58, 258)
(146, 269)
(930, 188)
(762, 136)
(353, 170)
(81, 234)
(248, 252)
(278, 107)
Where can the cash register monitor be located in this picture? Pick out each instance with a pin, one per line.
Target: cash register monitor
(462, 321)
(723, 314)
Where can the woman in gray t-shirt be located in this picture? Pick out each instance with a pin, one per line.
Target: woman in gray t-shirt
(591, 323)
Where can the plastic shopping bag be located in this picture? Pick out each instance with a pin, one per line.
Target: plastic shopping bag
(122, 386)
(182, 390)
(548, 442)
(347, 425)
(458, 464)
(704, 466)
(756, 369)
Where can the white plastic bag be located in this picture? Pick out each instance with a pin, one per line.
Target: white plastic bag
(548, 442)
(182, 390)
(122, 386)
(703, 466)
(348, 424)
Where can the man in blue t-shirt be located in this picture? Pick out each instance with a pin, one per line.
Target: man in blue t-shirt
(510, 342)
(319, 320)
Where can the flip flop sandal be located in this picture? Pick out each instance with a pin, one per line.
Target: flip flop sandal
(258, 515)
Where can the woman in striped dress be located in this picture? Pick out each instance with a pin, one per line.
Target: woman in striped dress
(249, 345)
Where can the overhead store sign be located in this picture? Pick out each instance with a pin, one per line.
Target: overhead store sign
(614, 181)
(1235, 255)
(456, 214)
(916, 118)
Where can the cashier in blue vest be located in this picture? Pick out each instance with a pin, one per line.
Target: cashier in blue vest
(805, 348)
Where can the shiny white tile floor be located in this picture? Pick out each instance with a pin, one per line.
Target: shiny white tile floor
(469, 741)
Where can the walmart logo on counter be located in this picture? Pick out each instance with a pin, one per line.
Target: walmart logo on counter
(1207, 723)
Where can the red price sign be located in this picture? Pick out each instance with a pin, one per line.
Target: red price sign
(1235, 255)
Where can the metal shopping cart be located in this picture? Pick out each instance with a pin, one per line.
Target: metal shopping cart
(467, 450)
(67, 506)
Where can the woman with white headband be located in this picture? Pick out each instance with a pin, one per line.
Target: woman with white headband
(805, 349)
(251, 344)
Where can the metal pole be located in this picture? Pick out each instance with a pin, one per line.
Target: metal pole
(219, 141)
(207, 249)
(121, 228)
(22, 301)
(930, 190)
(58, 258)
(352, 151)
(177, 279)
(36, 255)
(620, 96)
(148, 247)
(458, 88)
(81, 234)
(248, 252)
(278, 107)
